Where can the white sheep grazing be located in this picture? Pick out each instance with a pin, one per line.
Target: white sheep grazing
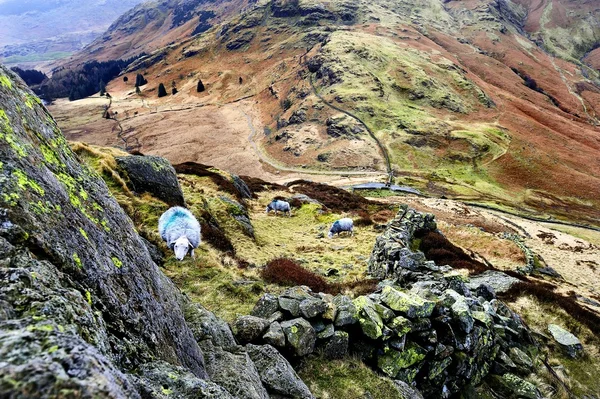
(180, 230)
(341, 225)
(279, 206)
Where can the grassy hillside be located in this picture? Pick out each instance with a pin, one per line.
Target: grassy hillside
(227, 275)
(457, 97)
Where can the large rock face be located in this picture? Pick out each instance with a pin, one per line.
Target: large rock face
(154, 175)
(84, 311)
(70, 243)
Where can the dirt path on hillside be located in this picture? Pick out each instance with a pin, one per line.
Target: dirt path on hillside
(220, 135)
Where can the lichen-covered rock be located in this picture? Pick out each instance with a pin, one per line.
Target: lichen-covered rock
(405, 391)
(91, 299)
(41, 360)
(462, 313)
(234, 371)
(337, 346)
(413, 306)
(346, 311)
(206, 326)
(249, 328)
(275, 336)
(312, 307)
(291, 298)
(290, 305)
(521, 359)
(514, 387)
(391, 254)
(162, 380)
(327, 331)
(567, 341)
(240, 213)
(499, 281)
(300, 336)
(266, 306)
(241, 187)
(277, 374)
(370, 321)
(401, 326)
(155, 253)
(154, 175)
(392, 362)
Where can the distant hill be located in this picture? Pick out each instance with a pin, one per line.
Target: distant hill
(155, 24)
(480, 100)
(34, 31)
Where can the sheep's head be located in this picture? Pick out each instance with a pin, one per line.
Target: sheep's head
(330, 235)
(269, 208)
(181, 247)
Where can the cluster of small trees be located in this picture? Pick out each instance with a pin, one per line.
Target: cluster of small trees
(83, 81)
(30, 76)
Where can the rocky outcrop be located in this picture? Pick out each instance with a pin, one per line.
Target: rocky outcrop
(84, 310)
(423, 326)
(87, 283)
(154, 175)
(567, 341)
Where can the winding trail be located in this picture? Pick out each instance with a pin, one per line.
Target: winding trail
(382, 149)
(593, 120)
(264, 158)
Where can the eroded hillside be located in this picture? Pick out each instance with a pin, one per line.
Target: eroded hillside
(457, 96)
(81, 290)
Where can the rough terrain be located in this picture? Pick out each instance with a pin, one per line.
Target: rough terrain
(462, 99)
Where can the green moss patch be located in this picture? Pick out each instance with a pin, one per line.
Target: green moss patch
(348, 378)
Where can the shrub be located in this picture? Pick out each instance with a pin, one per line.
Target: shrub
(30, 76)
(162, 91)
(140, 80)
(257, 185)
(384, 216)
(286, 272)
(196, 169)
(200, 88)
(125, 79)
(364, 219)
(335, 199)
(437, 248)
(544, 293)
(286, 104)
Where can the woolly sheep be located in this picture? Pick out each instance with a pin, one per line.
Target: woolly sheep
(279, 206)
(341, 225)
(180, 230)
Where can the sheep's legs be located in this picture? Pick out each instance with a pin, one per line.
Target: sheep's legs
(193, 256)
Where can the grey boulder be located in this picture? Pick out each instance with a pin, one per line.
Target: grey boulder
(276, 374)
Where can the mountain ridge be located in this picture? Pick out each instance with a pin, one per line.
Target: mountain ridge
(463, 103)
(34, 33)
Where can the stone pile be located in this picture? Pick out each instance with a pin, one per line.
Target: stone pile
(423, 325)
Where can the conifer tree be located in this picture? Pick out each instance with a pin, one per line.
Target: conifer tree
(200, 87)
(162, 91)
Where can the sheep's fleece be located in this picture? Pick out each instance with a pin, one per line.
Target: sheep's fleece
(178, 222)
(341, 225)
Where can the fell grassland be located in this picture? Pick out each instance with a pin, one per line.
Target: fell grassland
(578, 375)
(225, 275)
(349, 378)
